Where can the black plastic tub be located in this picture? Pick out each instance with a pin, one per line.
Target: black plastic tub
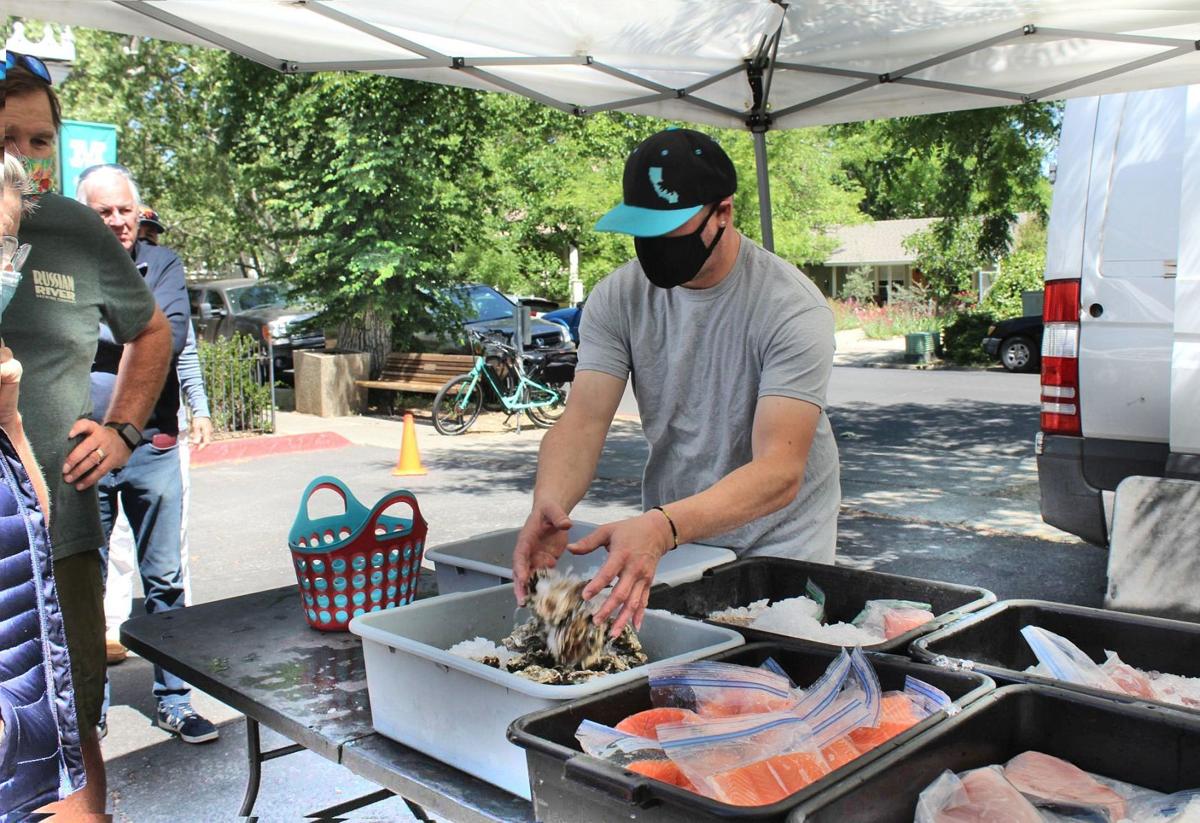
(991, 640)
(846, 592)
(572, 787)
(1139, 744)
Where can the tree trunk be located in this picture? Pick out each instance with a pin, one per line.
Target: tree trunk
(370, 333)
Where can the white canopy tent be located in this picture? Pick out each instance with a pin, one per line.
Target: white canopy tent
(756, 64)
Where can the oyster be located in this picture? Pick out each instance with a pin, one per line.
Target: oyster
(559, 645)
(571, 636)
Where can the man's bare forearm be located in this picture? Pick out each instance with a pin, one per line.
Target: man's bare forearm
(759, 488)
(567, 462)
(140, 377)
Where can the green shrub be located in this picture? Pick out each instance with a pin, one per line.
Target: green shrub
(859, 285)
(235, 377)
(1021, 271)
(962, 336)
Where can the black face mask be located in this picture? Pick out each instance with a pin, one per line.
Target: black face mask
(672, 261)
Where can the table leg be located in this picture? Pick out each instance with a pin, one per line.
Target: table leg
(255, 757)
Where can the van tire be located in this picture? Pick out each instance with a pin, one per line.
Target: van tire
(1020, 354)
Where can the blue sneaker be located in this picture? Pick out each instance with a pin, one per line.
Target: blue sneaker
(183, 721)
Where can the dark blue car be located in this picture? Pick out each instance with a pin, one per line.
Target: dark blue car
(567, 317)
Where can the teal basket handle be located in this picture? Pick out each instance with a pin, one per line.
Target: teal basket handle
(354, 509)
(389, 500)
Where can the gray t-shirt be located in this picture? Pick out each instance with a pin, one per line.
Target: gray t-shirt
(700, 359)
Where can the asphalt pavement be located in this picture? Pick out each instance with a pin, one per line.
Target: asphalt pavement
(938, 479)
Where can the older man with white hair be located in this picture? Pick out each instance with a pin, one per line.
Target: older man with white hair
(148, 487)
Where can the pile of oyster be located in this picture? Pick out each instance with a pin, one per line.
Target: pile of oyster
(559, 644)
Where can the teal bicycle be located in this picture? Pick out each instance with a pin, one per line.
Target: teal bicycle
(500, 373)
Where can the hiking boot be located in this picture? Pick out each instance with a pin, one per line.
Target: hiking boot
(115, 651)
(183, 721)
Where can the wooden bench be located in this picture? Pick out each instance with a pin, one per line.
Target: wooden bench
(419, 373)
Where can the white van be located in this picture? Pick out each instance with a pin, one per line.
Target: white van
(1121, 347)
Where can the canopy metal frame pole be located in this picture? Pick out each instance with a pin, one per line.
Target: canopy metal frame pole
(764, 191)
(759, 72)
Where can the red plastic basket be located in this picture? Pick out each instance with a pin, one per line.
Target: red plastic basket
(356, 562)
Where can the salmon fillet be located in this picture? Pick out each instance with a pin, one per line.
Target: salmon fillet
(989, 799)
(897, 714)
(898, 621)
(645, 724)
(663, 770)
(769, 781)
(1049, 780)
(840, 752)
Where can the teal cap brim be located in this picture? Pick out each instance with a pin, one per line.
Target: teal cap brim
(644, 222)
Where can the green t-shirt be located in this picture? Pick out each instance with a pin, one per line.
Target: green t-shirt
(77, 274)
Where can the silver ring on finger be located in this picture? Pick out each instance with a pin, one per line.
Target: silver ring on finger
(100, 452)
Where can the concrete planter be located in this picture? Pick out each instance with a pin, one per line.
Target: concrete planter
(325, 382)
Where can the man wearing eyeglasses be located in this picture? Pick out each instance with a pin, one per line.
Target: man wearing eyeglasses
(78, 275)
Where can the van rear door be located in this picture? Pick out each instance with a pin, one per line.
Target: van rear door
(1185, 361)
(1130, 250)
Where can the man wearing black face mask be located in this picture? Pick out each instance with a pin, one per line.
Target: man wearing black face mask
(730, 350)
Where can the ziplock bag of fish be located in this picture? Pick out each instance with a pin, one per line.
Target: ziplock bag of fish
(1061, 659)
(747, 736)
(804, 617)
(1034, 787)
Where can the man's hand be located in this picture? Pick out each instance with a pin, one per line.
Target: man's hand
(634, 548)
(202, 432)
(10, 389)
(540, 544)
(102, 450)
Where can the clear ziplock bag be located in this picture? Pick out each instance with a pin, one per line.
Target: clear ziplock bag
(1066, 661)
(719, 689)
(747, 761)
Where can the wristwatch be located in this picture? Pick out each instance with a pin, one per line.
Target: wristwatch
(130, 433)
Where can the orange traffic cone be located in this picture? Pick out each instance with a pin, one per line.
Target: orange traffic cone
(410, 455)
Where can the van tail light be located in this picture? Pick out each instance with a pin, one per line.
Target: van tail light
(1060, 359)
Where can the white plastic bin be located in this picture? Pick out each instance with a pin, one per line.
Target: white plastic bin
(458, 710)
(486, 560)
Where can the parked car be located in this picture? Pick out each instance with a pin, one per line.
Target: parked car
(1016, 342)
(537, 305)
(569, 317)
(487, 310)
(259, 308)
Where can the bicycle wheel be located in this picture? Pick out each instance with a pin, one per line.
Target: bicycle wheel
(450, 414)
(546, 416)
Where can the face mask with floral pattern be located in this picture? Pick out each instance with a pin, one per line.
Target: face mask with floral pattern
(41, 174)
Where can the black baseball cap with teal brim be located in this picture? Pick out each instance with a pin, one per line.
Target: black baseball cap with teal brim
(669, 177)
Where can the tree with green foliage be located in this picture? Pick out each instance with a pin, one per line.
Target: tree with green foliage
(948, 257)
(810, 191)
(161, 97)
(369, 171)
(983, 163)
(542, 181)
(1021, 271)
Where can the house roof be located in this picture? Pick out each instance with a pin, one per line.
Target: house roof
(876, 244)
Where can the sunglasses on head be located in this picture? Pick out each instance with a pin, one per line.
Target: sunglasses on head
(31, 64)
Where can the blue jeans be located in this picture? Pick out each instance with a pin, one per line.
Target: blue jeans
(151, 493)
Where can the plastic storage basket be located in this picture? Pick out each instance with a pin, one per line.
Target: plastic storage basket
(356, 562)
(846, 592)
(571, 787)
